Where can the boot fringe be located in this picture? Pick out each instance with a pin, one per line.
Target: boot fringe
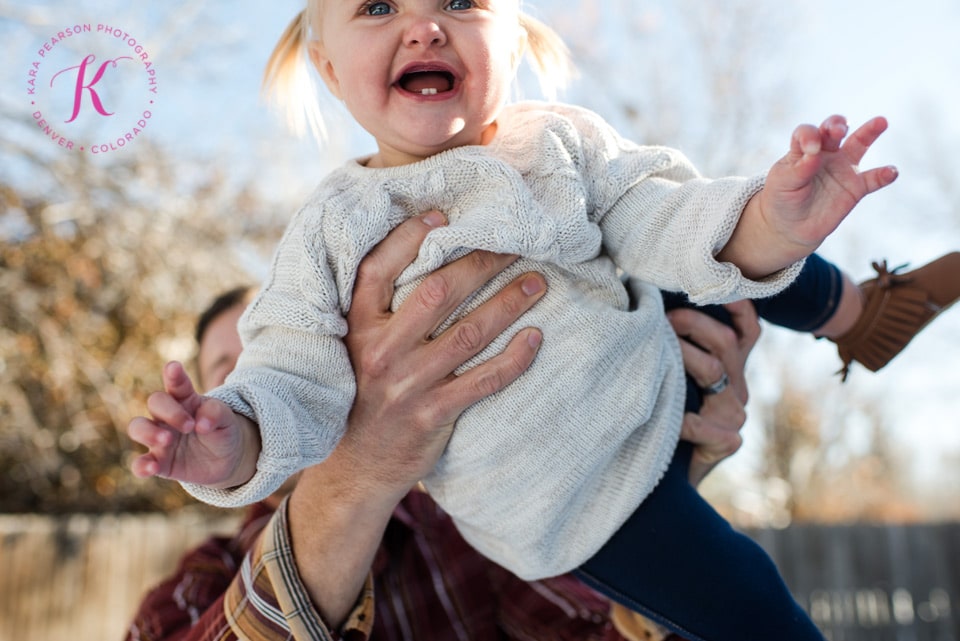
(893, 314)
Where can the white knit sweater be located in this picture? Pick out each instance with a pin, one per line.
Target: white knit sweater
(538, 476)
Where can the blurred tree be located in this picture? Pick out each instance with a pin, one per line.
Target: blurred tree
(104, 264)
(700, 77)
(100, 281)
(828, 477)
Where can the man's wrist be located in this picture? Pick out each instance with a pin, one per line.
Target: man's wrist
(250, 602)
(335, 528)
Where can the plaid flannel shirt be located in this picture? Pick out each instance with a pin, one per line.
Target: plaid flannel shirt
(426, 584)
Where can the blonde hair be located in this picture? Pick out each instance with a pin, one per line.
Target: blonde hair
(548, 55)
(288, 83)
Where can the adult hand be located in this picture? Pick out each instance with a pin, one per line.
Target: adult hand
(407, 393)
(710, 351)
(408, 399)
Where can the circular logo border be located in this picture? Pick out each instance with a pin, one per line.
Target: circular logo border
(86, 76)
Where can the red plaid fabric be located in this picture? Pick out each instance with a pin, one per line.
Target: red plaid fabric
(426, 584)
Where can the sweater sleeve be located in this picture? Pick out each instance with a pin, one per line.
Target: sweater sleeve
(664, 223)
(294, 377)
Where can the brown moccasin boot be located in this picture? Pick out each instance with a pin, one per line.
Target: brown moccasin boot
(636, 627)
(896, 308)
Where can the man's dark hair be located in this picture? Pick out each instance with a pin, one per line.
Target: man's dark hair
(220, 304)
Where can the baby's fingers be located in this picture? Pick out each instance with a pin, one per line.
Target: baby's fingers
(879, 177)
(860, 140)
(806, 141)
(158, 441)
(145, 466)
(832, 132)
(167, 409)
(177, 384)
(213, 414)
(149, 433)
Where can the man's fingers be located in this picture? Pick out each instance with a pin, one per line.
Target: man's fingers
(491, 376)
(445, 289)
(727, 347)
(716, 428)
(705, 368)
(373, 289)
(746, 323)
(707, 332)
(472, 333)
(702, 329)
(712, 442)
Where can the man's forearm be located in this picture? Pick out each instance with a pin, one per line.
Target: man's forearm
(335, 529)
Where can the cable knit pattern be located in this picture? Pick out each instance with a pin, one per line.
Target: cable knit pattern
(538, 476)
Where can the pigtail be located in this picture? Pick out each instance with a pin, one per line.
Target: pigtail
(549, 56)
(287, 82)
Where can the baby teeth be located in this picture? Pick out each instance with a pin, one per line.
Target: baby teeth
(431, 91)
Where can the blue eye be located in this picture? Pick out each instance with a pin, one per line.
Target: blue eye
(460, 5)
(377, 9)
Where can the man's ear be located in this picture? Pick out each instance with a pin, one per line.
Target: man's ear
(318, 56)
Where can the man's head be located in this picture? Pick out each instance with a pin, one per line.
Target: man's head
(218, 343)
(219, 347)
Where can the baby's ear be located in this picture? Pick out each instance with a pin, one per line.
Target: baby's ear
(318, 56)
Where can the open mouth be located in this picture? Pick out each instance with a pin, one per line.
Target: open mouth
(427, 83)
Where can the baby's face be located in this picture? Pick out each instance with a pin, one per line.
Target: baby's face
(421, 76)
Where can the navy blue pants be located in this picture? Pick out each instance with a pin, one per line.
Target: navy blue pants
(676, 560)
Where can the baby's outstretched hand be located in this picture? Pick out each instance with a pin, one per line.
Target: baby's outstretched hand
(192, 438)
(811, 190)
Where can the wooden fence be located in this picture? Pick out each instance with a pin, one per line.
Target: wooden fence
(896, 583)
(81, 577)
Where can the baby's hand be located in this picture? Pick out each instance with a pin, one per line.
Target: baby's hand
(191, 438)
(811, 190)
